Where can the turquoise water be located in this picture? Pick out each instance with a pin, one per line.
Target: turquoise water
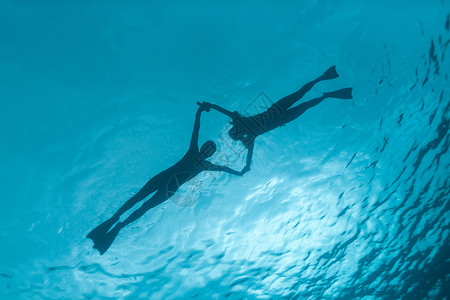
(351, 200)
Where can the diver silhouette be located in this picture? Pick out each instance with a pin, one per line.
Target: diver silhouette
(246, 129)
(165, 184)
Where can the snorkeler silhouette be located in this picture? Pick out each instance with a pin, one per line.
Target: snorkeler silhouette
(246, 129)
(165, 184)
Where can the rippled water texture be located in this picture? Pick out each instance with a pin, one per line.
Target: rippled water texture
(351, 200)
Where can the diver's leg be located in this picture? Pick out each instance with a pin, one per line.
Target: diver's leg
(99, 231)
(155, 200)
(147, 189)
(288, 101)
(295, 112)
(107, 239)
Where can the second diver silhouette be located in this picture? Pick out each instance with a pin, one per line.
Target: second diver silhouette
(164, 185)
(246, 129)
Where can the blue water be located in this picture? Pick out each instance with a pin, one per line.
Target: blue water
(349, 201)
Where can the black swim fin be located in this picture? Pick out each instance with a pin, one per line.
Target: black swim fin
(105, 242)
(340, 94)
(329, 74)
(102, 229)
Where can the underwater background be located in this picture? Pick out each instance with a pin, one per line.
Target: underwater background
(349, 201)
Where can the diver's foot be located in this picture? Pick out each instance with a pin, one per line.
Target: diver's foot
(329, 74)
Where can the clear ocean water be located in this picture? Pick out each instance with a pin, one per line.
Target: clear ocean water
(349, 201)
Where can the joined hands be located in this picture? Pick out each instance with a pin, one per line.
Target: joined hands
(204, 106)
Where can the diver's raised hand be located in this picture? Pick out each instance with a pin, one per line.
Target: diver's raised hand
(204, 106)
(207, 106)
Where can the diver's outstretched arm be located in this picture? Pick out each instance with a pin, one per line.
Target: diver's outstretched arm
(228, 113)
(194, 138)
(249, 157)
(213, 167)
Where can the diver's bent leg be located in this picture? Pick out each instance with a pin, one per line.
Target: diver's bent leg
(157, 199)
(288, 101)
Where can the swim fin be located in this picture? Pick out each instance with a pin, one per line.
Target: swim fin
(330, 74)
(102, 229)
(104, 243)
(340, 94)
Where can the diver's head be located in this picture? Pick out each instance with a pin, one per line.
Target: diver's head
(208, 149)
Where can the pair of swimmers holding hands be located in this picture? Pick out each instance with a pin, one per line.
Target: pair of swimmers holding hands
(244, 129)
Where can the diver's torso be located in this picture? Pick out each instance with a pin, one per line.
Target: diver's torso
(184, 170)
(262, 123)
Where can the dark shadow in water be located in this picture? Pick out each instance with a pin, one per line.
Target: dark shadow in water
(164, 185)
(246, 129)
